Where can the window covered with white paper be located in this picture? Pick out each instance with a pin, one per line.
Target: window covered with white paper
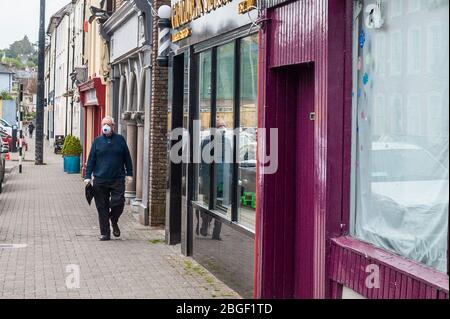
(401, 127)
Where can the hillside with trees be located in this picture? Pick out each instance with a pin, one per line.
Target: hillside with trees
(21, 54)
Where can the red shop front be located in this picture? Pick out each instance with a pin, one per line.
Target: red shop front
(92, 95)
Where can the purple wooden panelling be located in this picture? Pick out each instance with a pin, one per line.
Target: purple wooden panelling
(297, 33)
(409, 288)
(443, 295)
(399, 278)
(404, 283)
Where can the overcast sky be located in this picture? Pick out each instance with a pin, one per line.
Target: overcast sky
(21, 17)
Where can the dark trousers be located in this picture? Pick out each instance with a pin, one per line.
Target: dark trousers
(110, 201)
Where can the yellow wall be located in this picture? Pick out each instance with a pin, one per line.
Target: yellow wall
(97, 58)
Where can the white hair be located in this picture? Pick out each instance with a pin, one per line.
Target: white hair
(109, 118)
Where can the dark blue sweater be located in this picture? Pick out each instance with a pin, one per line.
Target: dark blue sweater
(109, 159)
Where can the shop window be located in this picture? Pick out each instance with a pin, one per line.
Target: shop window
(204, 86)
(401, 159)
(248, 126)
(227, 92)
(225, 127)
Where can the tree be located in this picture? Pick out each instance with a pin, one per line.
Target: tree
(20, 48)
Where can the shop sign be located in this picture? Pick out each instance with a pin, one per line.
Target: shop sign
(180, 35)
(194, 21)
(246, 5)
(185, 11)
(91, 97)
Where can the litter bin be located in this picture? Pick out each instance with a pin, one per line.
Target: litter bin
(59, 142)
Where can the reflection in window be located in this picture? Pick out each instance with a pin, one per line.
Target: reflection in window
(224, 125)
(414, 50)
(185, 124)
(248, 126)
(396, 53)
(435, 48)
(205, 124)
(402, 167)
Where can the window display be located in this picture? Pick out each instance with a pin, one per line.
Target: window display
(401, 129)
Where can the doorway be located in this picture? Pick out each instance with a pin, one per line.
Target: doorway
(288, 234)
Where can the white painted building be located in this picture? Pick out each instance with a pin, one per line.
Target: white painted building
(63, 114)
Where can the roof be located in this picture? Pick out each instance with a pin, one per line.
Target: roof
(56, 18)
(5, 70)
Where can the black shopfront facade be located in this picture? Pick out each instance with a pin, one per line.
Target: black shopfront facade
(213, 81)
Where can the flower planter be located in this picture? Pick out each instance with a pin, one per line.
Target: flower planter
(72, 164)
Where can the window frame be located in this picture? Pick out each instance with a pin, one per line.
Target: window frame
(212, 45)
(350, 233)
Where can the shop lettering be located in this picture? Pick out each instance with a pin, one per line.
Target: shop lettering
(185, 11)
(245, 6)
(183, 34)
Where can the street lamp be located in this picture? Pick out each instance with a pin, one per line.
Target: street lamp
(39, 154)
(164, 37)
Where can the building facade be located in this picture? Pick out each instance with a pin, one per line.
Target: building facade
(356, 211)
(139, 102)
(58, 57)
(92, 77)
(6, 78)
(214, 87)
(334, 202)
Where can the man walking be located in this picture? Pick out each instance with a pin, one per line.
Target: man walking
(109, 165)
(30, 129)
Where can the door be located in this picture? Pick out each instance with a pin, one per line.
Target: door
(288, 207)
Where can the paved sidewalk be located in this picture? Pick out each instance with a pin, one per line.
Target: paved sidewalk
(46, 225)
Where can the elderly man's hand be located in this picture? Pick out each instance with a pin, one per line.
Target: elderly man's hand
(129, 179)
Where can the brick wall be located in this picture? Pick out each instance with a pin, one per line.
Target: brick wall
(158, 132)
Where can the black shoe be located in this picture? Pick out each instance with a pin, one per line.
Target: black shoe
(104, 238)
(116, 230)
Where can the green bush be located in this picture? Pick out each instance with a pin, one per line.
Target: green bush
(72, 146)
(4, 95)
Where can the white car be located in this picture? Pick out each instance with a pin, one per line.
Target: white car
(5, 123)
(6, 129)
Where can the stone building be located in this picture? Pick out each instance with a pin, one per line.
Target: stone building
(139, 102)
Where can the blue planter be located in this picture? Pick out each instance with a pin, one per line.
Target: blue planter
(72, 164)
(65, 164)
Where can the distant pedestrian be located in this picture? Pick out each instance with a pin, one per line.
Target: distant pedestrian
(109, 166)
(30, 129)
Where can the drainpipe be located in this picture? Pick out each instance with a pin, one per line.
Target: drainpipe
(54, 84)
(82, 115)
(67, 73)
(83, 45)
(73, 70)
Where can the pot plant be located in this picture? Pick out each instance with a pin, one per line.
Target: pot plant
(71, 152)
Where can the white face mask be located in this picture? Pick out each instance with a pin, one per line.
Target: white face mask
(106, 129)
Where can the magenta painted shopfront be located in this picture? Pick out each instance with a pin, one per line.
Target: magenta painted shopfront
(359, 204)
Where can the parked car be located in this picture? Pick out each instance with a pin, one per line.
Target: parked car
(5, 123)
(6, 138)
(6, 129)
